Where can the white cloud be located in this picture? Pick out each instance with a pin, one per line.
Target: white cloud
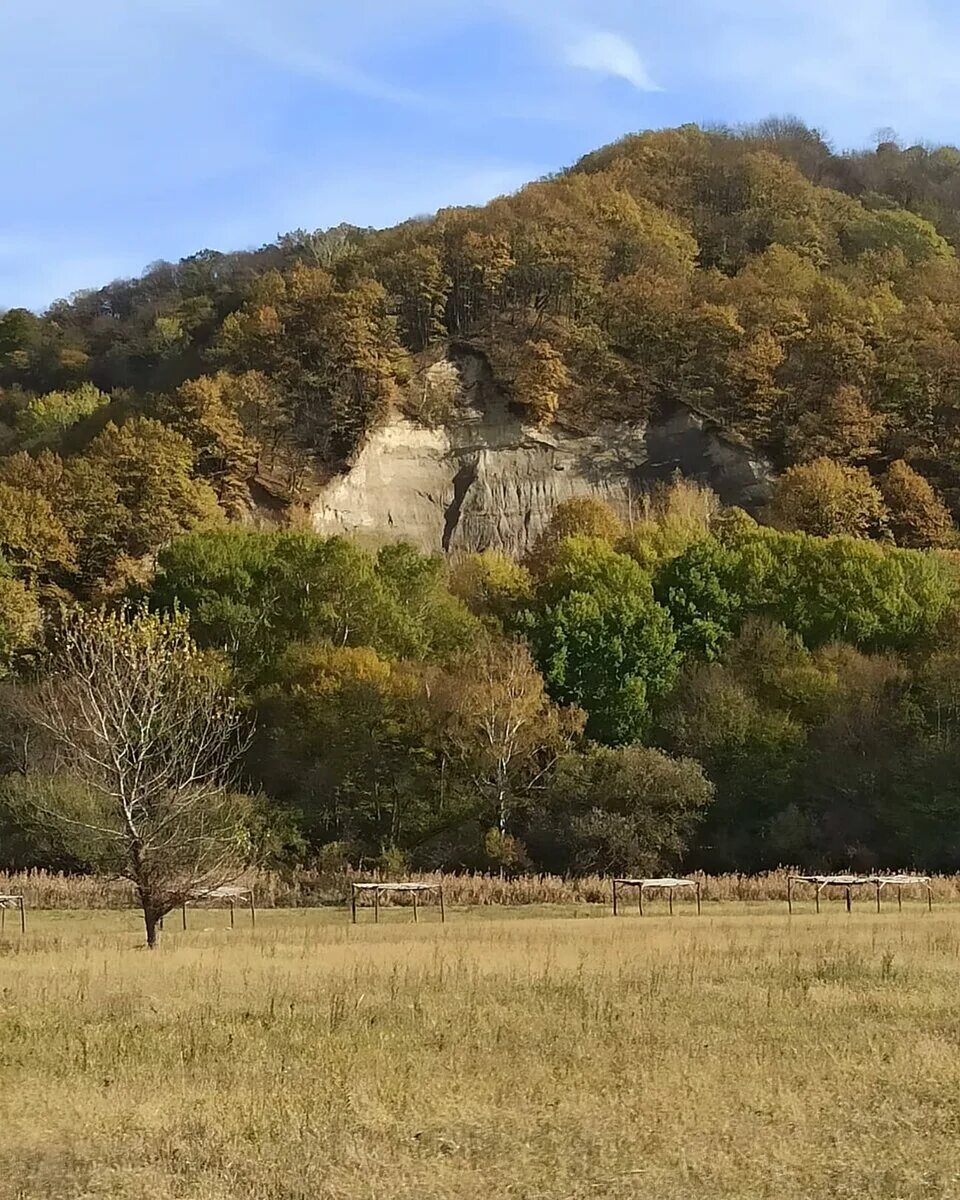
(610, 54)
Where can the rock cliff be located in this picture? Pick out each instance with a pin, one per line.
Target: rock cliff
(484, 479)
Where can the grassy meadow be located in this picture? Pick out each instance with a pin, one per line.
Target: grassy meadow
(544, 1052)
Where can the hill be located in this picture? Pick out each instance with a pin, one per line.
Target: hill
(805, 300)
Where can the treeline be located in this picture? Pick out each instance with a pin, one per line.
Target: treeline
(695, 689)
(807, 299)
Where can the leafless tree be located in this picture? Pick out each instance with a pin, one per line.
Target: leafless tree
(132, 753)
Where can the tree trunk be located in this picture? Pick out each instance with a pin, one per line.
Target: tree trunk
(151, 921)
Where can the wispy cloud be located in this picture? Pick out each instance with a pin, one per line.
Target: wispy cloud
(610, 54)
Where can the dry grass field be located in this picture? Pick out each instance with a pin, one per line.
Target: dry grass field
(542, 1054)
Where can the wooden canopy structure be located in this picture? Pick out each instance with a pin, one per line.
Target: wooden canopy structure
(233, 896)
(849, 882)
(644, 885)
(16, 902)
(414, 889)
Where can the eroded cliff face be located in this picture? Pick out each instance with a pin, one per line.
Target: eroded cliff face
(485, 479)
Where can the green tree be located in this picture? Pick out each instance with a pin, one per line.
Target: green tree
(252, 594)
(600, 638)
(630, 809)
(46, 417)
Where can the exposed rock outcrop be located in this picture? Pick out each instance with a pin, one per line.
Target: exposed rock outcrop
(485, 479)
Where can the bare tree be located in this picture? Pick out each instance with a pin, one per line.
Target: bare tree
(134, 744)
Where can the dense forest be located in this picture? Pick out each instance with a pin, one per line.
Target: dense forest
(700, 687)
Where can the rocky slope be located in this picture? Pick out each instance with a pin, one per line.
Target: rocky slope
(484, 479)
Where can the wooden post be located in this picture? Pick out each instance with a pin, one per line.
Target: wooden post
(817, 894)
(929, 898)
(614, 897)
(353, 903)
(440, 890)
(789, 897)
(670, 899)
(899, 898)
(698, 897)
(253, 911)
(23, 915)
(183, 913)
(376, 906)
(848, 900)
(232, 917)
(879, 885)
(640, 897)
(415, 917)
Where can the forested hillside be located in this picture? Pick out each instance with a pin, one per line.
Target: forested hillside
(694, 686)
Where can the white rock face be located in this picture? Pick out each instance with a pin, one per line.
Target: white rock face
(485, 479)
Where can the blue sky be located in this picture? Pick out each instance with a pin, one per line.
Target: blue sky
(142, 129)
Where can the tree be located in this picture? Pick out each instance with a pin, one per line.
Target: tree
(33, 542)
(46, 417)
(501, 726)
(841, 427)
(152, 466)
(19, 619)
(824, 498)
(581, 516)
(602, 641)
(207, 411)
(540, 381)
(491, 584)
(617, 810)
(138, 744)
(346, 737)
(669, 519)
(918, 517)
(252, 593)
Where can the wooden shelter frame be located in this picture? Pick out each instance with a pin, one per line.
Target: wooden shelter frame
(414, 889)
(848, 882)
(667, 885)
(17, 902)
(233, 895)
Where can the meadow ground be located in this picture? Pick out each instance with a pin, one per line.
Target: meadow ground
(543, 1054)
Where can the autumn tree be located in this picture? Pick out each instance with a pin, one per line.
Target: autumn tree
(208, 412)
(540, 380)
(501, 727)
(33, 542)
(19, 619)
(346, 738)
(491, 584)
(825, 498)
(151, 467)
(917, 515)
(580, 516)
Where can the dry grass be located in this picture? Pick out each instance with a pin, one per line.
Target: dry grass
(306, 889)
(741, 1055)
